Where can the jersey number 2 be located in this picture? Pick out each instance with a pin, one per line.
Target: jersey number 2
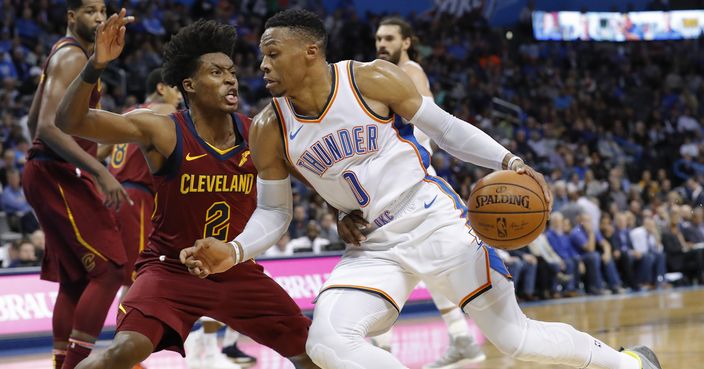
(217, 221)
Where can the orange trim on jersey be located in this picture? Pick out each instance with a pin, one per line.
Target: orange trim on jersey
(336, 87)
(280, 115)
(79, 238)
(420, 158)
(483, 288)
(363, 288)
(156, 198)
(361, 102)
(443, 190)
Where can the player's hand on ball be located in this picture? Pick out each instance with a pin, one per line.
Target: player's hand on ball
(208, 256)
(349, 228)
(522, 168)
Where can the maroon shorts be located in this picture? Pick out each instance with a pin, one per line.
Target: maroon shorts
(81, 234)
(243, 298)
(134, 223)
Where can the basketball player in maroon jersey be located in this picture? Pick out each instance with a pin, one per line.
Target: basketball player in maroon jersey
(84, 252)
(128, 166)
(204, 181)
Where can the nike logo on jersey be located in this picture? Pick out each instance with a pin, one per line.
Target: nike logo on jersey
(293, 135)
(191, 158)
(429, 204)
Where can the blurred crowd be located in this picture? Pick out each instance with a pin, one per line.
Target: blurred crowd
(616, 129)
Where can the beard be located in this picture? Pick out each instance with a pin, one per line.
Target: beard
(85, 32)
(390, 57)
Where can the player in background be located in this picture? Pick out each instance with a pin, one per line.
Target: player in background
(336, 124)
(62, 180)
(129, 167)
(394, 39)
(204, 183)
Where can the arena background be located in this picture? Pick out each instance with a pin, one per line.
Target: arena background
(616, 127)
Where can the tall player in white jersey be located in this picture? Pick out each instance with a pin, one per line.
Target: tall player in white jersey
(340, 132)
(394, 40)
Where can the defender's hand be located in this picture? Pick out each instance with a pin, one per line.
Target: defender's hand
(115, 194)
(110, 38)
(208, 256)
(521, 168)
(349, 228)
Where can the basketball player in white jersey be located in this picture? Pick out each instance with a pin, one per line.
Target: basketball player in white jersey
(340, 133)
(394, 39)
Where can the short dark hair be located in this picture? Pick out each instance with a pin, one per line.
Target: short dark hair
(406, 30)
(153, 79)
(183, 51)
(304, 21)
(74, 4)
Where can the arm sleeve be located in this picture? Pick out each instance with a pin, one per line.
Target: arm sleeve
(459, 138)
(271, 218)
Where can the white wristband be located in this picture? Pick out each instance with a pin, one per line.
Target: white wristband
(509, 166)
(238, 251)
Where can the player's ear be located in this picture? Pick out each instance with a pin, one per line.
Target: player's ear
(71, 15)
(188, 85)
(406, 44)
(313, 50)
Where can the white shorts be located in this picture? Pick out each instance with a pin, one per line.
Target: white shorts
(427, 239)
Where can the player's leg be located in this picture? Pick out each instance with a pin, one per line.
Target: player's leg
(462, 348)
(202, 350)
(341, 321)
(62, 319)
(135, 340)
(232, 351)
(383, 341)
(90, 312)
(497, 313)
(257, 306)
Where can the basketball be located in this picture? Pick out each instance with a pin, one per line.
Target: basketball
(507, 210)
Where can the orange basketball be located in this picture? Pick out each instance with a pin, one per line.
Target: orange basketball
(507, 210)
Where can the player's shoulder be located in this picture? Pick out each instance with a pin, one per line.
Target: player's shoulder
(372, 68)
(68, 53)
(265, 118)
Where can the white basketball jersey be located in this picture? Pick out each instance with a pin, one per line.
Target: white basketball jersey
(353, 158)
(421, 137)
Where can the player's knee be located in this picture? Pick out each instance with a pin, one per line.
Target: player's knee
(327, 338)
(127, 350)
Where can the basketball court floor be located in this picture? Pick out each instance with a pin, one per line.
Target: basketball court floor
(669, 321)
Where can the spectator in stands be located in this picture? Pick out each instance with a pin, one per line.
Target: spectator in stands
(311, 242)
(297, 228)
(558, 238)
(634, 266)
(19, 214)
(681, 257)
(26, 254)
(584, 239)
(523, 268)
(550, 267)
(281, 249)
(328, 228)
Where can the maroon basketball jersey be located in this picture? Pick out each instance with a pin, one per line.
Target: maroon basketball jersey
(38, 145)
(128, 164)
(201, 191)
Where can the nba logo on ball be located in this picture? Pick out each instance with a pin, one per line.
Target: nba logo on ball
(507, 210)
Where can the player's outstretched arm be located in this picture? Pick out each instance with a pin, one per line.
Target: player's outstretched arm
(387, 83)
(274, 206)
(75, 117)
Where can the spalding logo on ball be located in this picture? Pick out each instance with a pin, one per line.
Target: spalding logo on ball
(507, 210)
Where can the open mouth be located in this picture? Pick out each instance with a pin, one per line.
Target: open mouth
(231, 97)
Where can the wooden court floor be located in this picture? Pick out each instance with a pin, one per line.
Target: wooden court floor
(669, 321)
